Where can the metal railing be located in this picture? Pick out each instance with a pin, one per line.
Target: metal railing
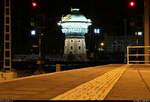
(137, 55)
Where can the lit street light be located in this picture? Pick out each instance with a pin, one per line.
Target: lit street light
(102, 44)
(137, 42)
(33, 32)
(137, 37)
(97, 31)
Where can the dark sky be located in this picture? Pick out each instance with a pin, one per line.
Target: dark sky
(91, 8)
(97, 10)
(103, 13)
(107, 14)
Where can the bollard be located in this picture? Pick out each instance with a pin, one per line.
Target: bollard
(58, 68)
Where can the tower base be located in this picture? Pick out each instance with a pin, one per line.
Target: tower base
(75, 57)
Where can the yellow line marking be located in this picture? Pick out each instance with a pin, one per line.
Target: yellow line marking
(96, 89)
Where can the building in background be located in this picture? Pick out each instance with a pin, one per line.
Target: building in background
(116, 46)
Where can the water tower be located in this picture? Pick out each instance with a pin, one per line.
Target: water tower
(75, 26)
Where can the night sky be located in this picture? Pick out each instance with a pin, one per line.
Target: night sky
(106, 14)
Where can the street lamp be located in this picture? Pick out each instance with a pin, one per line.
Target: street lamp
(33, 32)
(137, 37)
(40, 62)
(102, 44)
(97, 31)
(40, 52)
(137, 42)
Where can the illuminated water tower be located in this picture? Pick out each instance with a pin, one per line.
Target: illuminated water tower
(75, 26)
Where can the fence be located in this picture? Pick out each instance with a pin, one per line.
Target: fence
(137, 55)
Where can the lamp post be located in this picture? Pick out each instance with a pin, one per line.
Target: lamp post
(39, 62)
(137, 42)
(40, 51)
(95, 40)
(146, 29)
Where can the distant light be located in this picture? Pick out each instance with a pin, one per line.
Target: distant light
(34, 4)
(75, 9)
(102, 43)
(132, 3)
(96, 31)
(139, 33)
(100, 49)
(33, 32)
(35, 46)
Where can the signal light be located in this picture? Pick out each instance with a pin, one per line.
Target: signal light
(132, 4)
(34, 4)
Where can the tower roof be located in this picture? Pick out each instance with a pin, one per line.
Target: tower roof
(75, 16)
(75, 24)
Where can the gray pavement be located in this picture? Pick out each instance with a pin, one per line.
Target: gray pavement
(113, 82)
(96, 89)
(134, 84)
(45, 87)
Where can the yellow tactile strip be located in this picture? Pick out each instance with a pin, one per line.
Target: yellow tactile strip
(96, 89)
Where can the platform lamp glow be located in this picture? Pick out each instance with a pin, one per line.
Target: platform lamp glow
(33, 32)
(75, 26)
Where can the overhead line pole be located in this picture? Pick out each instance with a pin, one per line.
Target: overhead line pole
(7, 65)
(146, 29)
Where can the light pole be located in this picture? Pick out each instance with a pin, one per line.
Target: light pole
(40, 52)
(137, 42)
(7, 55)
(146, 29)
(39, 62)
(96, 35)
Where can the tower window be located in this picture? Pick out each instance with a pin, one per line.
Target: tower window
(79, 47)
(71, 47)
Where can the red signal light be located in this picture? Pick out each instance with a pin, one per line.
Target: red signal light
(34, 4)
(132, 4)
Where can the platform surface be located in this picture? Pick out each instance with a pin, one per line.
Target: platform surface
(107, 82)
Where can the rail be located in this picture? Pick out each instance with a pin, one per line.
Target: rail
(136, 54)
